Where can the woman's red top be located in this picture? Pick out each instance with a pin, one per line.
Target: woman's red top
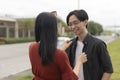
(60, 69)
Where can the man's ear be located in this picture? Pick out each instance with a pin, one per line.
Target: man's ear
(86, 22)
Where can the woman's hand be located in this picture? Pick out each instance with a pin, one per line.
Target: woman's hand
(82, 58)
(65, 44)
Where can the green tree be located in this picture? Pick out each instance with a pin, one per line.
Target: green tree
(94, 28)
(99, 28)
(26, 25)
(91, 28)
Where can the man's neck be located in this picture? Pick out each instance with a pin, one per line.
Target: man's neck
(81, 37)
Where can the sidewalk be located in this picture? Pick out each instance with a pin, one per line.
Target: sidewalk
(18, 75)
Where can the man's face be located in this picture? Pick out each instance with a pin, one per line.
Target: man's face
(77, 27)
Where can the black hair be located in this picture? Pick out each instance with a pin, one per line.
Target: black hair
(80, 14)
(46, 34)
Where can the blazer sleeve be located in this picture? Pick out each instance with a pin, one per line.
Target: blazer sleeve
(64, 67)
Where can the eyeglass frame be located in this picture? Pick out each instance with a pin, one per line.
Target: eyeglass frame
(75, 23)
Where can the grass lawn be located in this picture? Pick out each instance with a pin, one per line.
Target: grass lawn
(29, 77)
(114, 50)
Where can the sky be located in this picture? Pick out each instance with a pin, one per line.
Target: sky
(105, 12)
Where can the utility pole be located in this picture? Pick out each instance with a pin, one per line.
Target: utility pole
(78, 4)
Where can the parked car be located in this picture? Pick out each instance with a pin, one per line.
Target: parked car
(61, 40)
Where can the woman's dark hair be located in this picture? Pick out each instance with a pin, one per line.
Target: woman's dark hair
(46, 34)
(80, 14)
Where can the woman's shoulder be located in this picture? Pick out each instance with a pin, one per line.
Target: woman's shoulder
(33, 45)
(60, 54)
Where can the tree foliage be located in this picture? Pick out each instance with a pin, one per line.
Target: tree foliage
(62, 22)
(94, 28)
(26, 23)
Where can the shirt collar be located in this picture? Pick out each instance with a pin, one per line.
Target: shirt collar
(86, 40)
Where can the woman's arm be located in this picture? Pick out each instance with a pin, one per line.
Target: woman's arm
(65, 44)
(81, 59)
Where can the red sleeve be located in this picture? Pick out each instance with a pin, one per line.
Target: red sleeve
(33, 54)
(64, 66)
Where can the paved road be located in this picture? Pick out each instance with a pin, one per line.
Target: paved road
(106, 39)
(13, 59)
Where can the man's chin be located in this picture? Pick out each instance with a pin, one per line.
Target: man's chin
(76, 33)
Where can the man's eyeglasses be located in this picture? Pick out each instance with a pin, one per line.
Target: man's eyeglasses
(75, 23)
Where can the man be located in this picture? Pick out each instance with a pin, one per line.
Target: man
(98, 66)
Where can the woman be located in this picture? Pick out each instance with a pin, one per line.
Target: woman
(48, 62)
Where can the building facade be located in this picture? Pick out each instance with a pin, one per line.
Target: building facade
(8, 28)
(16, 28)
